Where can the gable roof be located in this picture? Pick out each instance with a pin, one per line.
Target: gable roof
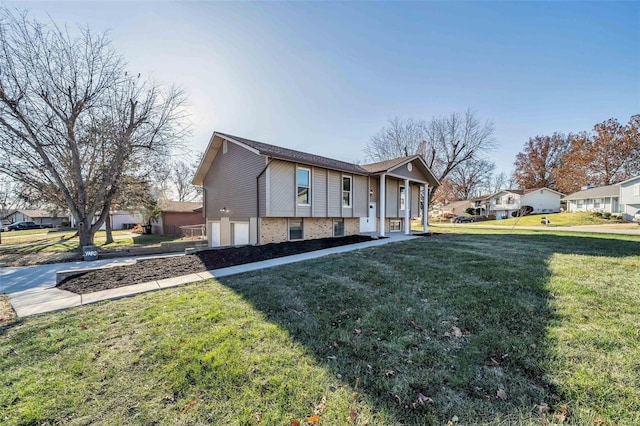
(389, 166)
(180, 206)
(598, 192)
(34, 213)
(530, 190)
(305, 158)
(296, 156)
(629, 180)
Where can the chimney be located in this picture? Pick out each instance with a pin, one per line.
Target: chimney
(587, 186)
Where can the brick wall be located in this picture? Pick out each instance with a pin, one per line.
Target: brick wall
(273, 230)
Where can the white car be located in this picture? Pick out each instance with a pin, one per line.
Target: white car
(636, 218)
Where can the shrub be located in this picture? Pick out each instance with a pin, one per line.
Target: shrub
(606, 215)
(597, 214)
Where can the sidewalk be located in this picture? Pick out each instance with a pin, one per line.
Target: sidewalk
(32, 289)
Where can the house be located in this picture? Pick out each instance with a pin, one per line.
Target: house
(630, 197)
(37, 216)
(623, 197)
(458, 208)
(592, 199)
(256, 193)
(503, 204)
(175, 214)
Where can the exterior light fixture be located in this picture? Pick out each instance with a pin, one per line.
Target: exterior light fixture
(223, 210)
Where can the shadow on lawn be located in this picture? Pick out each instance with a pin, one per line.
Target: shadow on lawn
(431, 328)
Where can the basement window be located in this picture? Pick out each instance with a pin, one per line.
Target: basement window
(296, 229)
(394, 225)
(338, 227)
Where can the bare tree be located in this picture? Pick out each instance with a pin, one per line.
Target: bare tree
(73, 122)
(472, 178)
(446, 142)
(181, 175)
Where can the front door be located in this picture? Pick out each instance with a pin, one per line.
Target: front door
(368, 224)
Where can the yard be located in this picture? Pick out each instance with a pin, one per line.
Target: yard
(470, 326)
(558, 219)
(45, 246)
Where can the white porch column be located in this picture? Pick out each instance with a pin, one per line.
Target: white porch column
(425, 209)
(407, 206)
(382, 202)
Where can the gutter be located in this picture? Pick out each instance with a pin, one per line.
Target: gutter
(270, 159)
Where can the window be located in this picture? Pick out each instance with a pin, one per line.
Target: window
(346, 191)
(510, 200)
(296, 230)
(402, 198)
(596, 202)
(638, 189)
(338, 227)
(304, 186)
(224, 147)
(394, 225)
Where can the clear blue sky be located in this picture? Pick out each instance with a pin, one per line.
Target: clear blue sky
(324, 77)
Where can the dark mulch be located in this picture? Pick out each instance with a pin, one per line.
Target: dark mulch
(169, 267)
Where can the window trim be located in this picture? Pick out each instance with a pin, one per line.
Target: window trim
(402, 193)
(289, 228)
(298, 186)
(350, 191)
(395, 221)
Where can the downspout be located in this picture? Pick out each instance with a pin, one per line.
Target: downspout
(270, 159)
(204, 211)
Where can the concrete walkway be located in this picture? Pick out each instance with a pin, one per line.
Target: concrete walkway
(32, 288)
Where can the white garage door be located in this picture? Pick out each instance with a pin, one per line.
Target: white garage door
(240, 234)
(215, 234)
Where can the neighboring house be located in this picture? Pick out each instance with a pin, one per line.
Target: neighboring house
(595, 199)
(458, 208)
(623, 197)
(121, 219)
(256, 193)
(503, 203)
(176, 214)
(630, 197)
(37, 216)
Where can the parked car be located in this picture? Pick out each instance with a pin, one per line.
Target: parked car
(19, 226)
(462, 219)
(636, 217)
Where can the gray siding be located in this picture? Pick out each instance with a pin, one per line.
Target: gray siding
(334, 192)
(262, 194)
(231, 182)
(415, 200)
(413, 174)
(392, 192)
(360, 196)
(319, 192)
(282, 188)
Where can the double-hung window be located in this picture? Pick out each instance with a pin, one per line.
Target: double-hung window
(346, 191)
(304, 186)
(403, 198)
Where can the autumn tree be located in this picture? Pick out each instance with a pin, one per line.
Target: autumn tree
(73, 122)
(447, 143)
(538, 164)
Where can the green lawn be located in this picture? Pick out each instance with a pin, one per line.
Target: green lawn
(555, 219)
(474, 326)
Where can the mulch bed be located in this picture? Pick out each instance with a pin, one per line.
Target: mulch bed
(169, 267)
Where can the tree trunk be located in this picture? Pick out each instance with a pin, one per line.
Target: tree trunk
(107, 223)
(85, 234)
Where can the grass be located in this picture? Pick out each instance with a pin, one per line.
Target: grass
(477, 326)
(555, 219)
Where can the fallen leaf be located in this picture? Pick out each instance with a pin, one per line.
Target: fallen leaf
(314, 419)
(389, 373)
(492, 362)
(533, 346)
(189, 406)
(454, 419)
(456, 331)
(83, 326)
(353, 415)
(446, 334)
(258, 416)
(357, 331)
(543, 408)
(424, 399)
(561, 417)
(354, 395)
(295, 423)
(501, 394)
